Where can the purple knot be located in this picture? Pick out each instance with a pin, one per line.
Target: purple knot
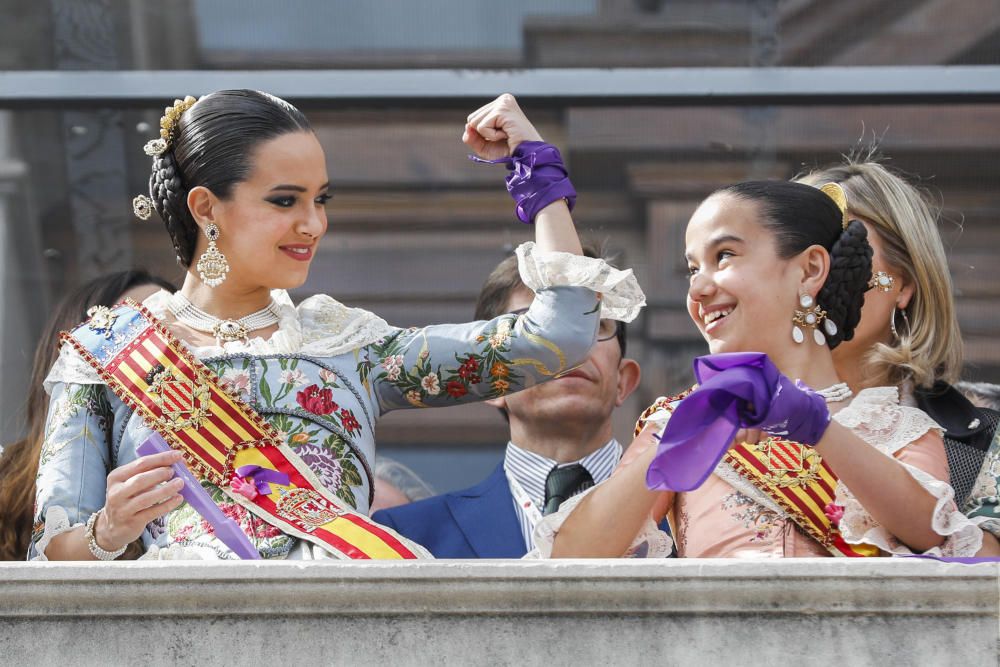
(537, 178)
(261, 478)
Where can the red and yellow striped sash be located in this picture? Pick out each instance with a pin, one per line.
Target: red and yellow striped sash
(792, 475)
(801, 483)
(180, 398)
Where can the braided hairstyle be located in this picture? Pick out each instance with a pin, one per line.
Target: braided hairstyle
(212, 146)
(800, 216)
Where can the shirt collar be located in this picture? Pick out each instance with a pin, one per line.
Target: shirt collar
(531, 469)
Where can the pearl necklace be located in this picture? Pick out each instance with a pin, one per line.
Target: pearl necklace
(836, 393)
(223, 330)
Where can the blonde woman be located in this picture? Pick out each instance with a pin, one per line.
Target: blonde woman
(909, 335)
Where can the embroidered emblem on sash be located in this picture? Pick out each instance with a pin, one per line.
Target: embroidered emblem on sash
(184, 403)
(308, 507)
(102, 320)
(789, 463)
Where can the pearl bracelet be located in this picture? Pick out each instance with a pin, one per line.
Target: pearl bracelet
(95, 548)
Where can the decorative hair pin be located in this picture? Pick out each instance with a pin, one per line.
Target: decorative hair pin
(168, 124)
(839, 197)
(142, 206)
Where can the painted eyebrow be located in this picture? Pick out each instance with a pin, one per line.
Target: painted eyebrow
(298, 188)
(717, 241)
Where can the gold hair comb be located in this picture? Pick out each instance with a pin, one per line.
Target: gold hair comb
(168, 124)
(839, 197)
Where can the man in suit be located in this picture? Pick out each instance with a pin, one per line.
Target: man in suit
(561, 443)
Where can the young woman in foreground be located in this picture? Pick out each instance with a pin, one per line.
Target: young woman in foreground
(778, 268)
(272, 405)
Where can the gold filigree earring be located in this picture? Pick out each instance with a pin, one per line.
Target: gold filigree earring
(810, 317)
(881, 281)
(212, 265)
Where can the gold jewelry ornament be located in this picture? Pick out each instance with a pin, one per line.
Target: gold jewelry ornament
(881, 281)
(142, 206)
(168, 125)
(839, 197)
(810, 317)
(102, 320)
(212, 265)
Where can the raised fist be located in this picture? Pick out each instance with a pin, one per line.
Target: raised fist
(495, 130)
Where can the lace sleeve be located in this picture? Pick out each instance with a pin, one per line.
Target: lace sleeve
(70, 368)
(651, 542)
(621, 296)
(876, 416)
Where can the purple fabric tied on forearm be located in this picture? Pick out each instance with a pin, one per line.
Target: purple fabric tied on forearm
(537, 178)
(262, 477)
(735, 390)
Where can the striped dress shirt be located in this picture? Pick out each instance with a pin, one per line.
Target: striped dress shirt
(530, 470)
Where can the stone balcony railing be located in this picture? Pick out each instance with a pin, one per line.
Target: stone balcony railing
(674, 612)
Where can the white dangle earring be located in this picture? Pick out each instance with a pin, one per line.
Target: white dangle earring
(212, 265)
(810, 317)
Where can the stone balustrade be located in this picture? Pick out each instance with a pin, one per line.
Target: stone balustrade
(827, 611)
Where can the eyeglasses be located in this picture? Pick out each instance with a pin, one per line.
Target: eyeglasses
(606, 330)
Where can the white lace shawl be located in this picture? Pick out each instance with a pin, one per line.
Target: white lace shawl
(321, 326)
(876, 416)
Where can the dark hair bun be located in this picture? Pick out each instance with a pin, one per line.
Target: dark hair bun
(843, 293)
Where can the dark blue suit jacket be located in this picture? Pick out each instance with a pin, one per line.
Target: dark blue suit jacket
(479, 522)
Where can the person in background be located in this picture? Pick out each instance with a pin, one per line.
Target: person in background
(19, 463)
(396, 484)
(561, 443)
(908, 335)
(981, 394)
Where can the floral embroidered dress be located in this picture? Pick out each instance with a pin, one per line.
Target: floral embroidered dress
(983, 504)
(729, 517)
(323, 380)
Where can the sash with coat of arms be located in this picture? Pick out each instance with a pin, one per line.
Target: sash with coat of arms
(220, 436)
(792, 475)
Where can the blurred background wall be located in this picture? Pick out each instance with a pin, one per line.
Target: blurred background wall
(415, 227)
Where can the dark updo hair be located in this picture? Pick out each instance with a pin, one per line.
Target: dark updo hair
(212, 146)
(800, 216)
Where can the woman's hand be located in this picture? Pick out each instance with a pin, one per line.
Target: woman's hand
(495, 130)
(138, 493)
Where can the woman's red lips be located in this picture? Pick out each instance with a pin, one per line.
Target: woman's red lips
(301, 253)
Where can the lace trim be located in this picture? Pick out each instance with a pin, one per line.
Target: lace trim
(651, 542)
(320, 326)
(876, 416)
(621, 296)
(56, 523)
(963, 536)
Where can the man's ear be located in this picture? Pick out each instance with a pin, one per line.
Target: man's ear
(629, 375)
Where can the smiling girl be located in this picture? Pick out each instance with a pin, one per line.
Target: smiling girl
(273, 406)
(778, 268)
